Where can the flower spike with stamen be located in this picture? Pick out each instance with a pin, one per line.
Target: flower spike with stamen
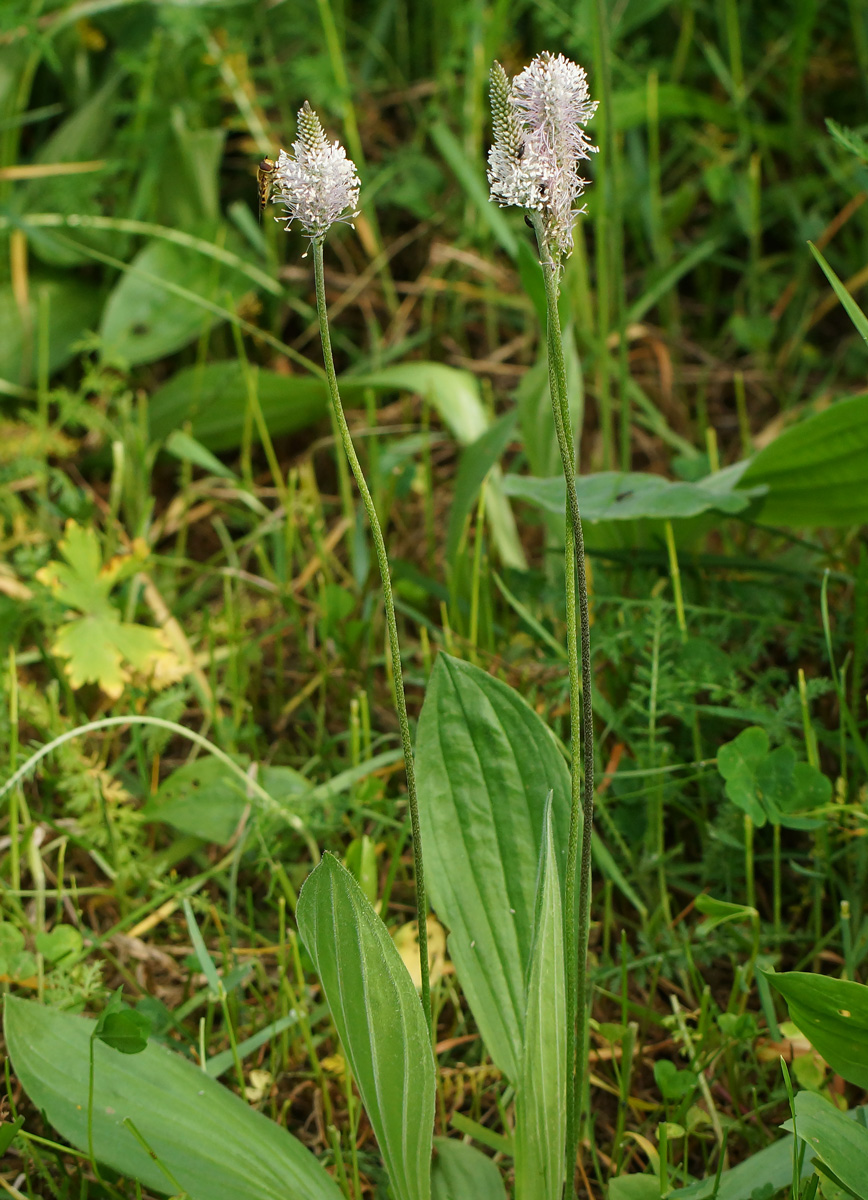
(539, 142)
(318, 186)
(539, 139)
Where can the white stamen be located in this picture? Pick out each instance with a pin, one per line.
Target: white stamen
(539, 139)
(318, 186)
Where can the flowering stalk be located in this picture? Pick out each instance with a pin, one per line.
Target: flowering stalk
(319, 187)
(539, 139)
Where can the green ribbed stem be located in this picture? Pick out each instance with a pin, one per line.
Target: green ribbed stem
(581, 720)
(391, 622)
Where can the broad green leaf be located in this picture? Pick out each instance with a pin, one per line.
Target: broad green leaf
(485, 764)
(833, 1016)
(213, 1143)
(213, 398)
(634, 1187)
(206, 799)
(540, 1111)
(460, 1173)
(143, 321)
(616, 496)
(766, 1172)
(815, 471)
(202, 798)
(72, 308)
(379, 1018)
(630, 108)
(453, 392)
(841, 1144)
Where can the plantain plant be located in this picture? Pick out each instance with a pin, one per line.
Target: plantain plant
(507, 830)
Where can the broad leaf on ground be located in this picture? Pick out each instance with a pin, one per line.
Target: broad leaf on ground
(460, 1172)
(626, 496)
(833, 1016)
(378, 1016)
(213, 1143)
(839, 1143)
(815, 471)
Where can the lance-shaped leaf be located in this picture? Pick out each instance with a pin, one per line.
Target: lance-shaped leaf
(833, 1016)
(212, 1143)
(378, 1016)
(540, 1103)
(485, 764)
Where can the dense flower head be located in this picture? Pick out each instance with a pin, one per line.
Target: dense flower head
(319, 185)
(539, 139)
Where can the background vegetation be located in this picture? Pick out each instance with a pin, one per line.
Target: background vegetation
(180, 542)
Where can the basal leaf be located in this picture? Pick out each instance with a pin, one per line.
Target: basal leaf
(627, 496)
(840, 1143)
(485, 764)
(815, 471)
(833, 1016)
(379, 1018)
(73, 307)
(143, 321)
(213, 1143)
(213, 398)
(767, 1172)
(203, 798)
(540, 1110)
(461, 1172)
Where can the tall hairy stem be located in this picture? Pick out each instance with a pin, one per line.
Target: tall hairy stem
(391, 622)
(581, 723)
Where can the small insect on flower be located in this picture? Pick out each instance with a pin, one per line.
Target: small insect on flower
(264, 181)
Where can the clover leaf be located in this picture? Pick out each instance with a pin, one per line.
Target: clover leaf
(771, 785)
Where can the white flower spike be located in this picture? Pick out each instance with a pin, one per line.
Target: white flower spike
(539, 140)
(319, 185)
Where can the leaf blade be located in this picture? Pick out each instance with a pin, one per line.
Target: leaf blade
(378, 1016)
(216, 1146)
(540, 1108)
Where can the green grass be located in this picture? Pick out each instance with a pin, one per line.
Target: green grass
(699, 325)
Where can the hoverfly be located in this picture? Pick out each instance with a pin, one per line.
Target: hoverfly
(264, 181)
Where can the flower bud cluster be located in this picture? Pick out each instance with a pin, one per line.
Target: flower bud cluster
(539, 141)
(319, 185)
